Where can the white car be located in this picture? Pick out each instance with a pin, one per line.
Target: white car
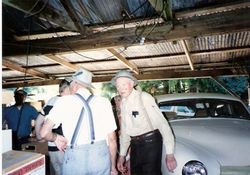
(178, 110)
(213, 139)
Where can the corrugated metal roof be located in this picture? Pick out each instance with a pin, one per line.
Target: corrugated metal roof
(117, 44)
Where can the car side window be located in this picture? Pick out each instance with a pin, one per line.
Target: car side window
(191, 108)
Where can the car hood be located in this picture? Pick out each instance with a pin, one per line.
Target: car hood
(227, 140)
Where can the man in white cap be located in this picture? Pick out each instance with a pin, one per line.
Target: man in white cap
(88, 124)
(143, 128)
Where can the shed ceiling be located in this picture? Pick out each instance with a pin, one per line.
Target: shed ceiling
(47, 40)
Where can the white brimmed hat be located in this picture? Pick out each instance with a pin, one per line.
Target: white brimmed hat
(124, 73)
(83, 77)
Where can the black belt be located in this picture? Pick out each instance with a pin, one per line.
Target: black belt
(52, 148)
(144, 136)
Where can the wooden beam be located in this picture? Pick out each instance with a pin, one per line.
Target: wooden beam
(163, 7)
(189, 58)
(213, 9)
(47, 12)
(215, 24)
(170, 74)
(62, 62)
(159, 57)
(155, 75)
(124, 61)
(94, 29)
(19, 68)
(221, 51)
(31, 83)
(68, 6)
(183, 74)
(45, 35)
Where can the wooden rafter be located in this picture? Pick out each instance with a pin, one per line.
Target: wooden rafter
(213, 9)
(124, 61)
(217, 20)
(74, 16)
(18, 68)
(163, 7)
(227, 22)
(62, 62)
(188, 55)
(132, 23)
(73, 66)
(150, 76)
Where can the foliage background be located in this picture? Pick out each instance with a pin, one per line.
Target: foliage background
(238, 85)
(226, 85)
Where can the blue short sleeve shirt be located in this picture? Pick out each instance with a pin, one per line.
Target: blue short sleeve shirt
(28, 113)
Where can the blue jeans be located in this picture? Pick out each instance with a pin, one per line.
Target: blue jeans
(88, 159)
(56, 161)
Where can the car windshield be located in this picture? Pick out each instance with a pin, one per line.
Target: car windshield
(197, 108)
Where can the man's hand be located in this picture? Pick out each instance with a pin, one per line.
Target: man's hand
(47, 134)
(121, 164)
(170, 162)
(114, 172)
(61, 142)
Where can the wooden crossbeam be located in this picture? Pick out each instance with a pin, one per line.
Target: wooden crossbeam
(189, 58)
(19, 68)
(62, 62)
(213, 9)
(159, 57)
(214, 24)
(124, 61)
(73, 15)
(155, 75)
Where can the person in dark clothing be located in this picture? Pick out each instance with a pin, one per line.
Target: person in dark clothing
(19, 117)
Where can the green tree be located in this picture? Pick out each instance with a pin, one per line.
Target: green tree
(238, 85)
(157, 87)
(108, 90)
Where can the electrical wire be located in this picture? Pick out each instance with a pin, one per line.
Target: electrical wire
(27, 53)
(70, 48)
(37, 12)
(104, 28)
(138, 25)
(153, 27)
(145, 2)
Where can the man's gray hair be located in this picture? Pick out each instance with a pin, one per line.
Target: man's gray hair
(63, 84)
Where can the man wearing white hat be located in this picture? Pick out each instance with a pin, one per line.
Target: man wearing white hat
(89, 128)
(143, 128)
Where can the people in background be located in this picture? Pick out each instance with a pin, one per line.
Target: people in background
(143, 129)
(116, 101)
(19, 118)
(56, 156)
(89, 141)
